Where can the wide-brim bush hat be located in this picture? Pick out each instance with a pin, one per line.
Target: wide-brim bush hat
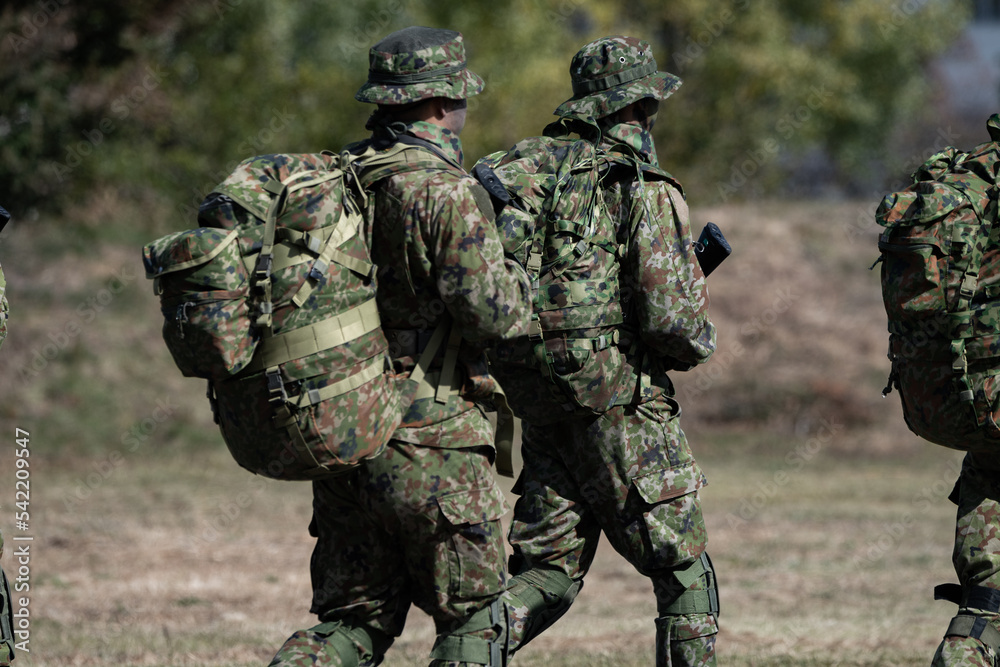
(610, 73)
(418, 63)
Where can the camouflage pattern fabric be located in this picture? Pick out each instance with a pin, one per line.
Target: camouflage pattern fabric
(420, 524)
(940, 283)
(976, 556)
(630, 474)
(432, 538)
(297, 362)
(398, 73)
(438, 255)
(570, 363)
(610, 73)
(6, 626)
(630, 471)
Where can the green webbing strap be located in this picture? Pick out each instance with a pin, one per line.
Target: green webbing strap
(265, 260)
(455, 649)
(446, 386)
(419, 374)
(313, 338)
(461, 648)
(595, 344)
(977, 627)
(325, 250)
(697, 601)
(371, 370)
(503, 439)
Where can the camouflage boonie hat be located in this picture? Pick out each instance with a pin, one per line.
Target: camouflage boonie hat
(612, 72)
(418, 63)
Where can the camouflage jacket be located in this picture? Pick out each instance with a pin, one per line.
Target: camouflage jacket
(663, 288)
(437, 253)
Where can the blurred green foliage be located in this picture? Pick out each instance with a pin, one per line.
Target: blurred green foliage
(157, 100)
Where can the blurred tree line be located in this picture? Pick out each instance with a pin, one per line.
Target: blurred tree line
(155, 100)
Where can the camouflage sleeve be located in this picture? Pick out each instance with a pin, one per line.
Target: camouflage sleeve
(487, 294)
(669, 291)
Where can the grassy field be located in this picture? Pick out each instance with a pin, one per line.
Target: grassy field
(828, 522)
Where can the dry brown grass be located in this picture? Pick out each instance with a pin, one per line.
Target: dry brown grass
(828, 522)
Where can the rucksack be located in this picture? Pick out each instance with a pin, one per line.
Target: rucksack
(272, 300)
(554, 221)
(940, 274)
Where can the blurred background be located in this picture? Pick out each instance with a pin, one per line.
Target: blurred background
(828, 520)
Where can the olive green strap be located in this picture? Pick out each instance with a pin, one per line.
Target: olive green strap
(446, 386)
(419, 373)
(503, 439)
(323, 335)
(371, 370)
(977, 627)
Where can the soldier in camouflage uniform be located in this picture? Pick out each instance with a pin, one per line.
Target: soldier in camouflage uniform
(421, 524)
(628, 472)
(973, 636)
(6, 634)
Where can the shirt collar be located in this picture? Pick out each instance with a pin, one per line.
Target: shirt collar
(635, 138)
(442, 137)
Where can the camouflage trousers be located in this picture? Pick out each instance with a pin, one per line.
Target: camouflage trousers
(416, 526)
(976, 558)
(629, 474)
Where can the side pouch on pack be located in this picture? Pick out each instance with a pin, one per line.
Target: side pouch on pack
(203, 286)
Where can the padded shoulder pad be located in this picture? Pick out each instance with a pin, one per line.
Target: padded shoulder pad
(483, 201)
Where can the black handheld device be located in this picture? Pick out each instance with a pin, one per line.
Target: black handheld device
(712, 248)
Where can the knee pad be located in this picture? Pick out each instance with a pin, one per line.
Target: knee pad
(687, 607)
(968, 623)
(536, 599)
(481, 640)
(336, 643)
(692, 591)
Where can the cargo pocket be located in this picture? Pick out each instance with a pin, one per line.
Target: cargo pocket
(671, 512)
(476, 554)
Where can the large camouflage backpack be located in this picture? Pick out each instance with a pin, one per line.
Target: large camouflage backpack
(272, 299)
(940, 255)
(553, 219)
